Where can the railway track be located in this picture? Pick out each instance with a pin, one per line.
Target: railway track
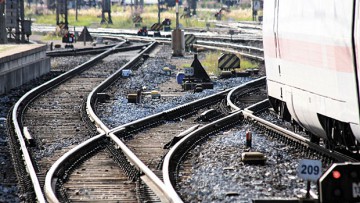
(239, 38)
(147, 137)
(53, 121)
(46, 145)
(248, 46)
(131, 172)
(91, 50)
(178, 164)
(250, 49)
(138, 134)
(79, 179)
(8, 181)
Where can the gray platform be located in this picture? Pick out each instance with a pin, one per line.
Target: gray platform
(21, 63)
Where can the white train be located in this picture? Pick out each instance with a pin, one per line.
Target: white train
(312, 64)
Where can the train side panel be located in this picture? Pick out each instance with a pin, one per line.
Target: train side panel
(355, 127)
(309, 59)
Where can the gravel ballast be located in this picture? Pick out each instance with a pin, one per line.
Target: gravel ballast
(219, 175)
(150, 75)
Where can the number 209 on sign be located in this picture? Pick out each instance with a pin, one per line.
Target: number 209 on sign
(309, 169)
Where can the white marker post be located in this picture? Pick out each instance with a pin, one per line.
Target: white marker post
(309, 170)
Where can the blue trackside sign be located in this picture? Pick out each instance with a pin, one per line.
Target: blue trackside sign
(309, 169)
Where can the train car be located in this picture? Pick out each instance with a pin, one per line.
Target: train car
(312, 66)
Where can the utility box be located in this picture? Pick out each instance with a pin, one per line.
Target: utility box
(340, 183)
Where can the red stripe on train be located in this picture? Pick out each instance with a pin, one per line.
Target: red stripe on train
(332, 57)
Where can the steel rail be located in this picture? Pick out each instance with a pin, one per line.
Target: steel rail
(295, 137)
(259, 58)
(97, 50)
(168, 113)
(124, 32)
(51, 176)
(250, 49)
(191, 139)
(177, 152)
(101, 128)
(22, 103)
(164, 195)
(91, 99)
(167, 194)
(234, 91)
